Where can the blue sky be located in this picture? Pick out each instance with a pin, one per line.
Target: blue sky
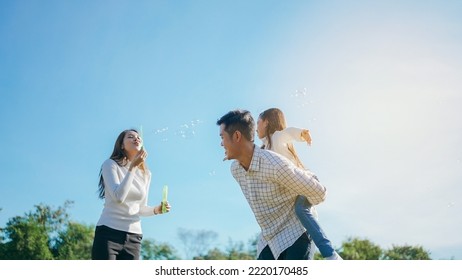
(377, 83)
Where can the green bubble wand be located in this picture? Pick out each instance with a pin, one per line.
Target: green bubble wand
(164, 199)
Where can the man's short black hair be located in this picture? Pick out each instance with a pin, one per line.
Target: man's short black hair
(239, 120)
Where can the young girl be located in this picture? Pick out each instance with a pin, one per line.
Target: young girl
(124, 186)
(272, 130)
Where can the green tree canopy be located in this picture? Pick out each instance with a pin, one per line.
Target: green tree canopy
(75, 242)
(234, 251)
(45, 233)
(26, 240)
(406, 252)
(152, 250)
(360, 249)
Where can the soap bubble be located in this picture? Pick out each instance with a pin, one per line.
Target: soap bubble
(300, 96)
(186, 130)
(161, 130)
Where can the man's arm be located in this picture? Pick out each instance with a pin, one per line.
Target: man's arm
(300, 181)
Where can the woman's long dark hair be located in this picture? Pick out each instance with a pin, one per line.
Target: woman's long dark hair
(119, 156)
(277, 122)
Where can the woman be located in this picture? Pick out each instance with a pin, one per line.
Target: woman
(272, 130)
(124, 186)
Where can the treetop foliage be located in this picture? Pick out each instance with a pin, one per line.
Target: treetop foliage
(46, 233)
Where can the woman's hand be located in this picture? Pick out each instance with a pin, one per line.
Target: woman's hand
(139, 159)
(306, 136)
(158, 208)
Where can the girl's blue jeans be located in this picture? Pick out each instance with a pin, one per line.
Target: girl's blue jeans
(306, 217)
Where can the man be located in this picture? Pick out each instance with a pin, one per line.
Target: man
(270, 183)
